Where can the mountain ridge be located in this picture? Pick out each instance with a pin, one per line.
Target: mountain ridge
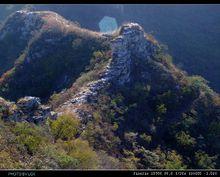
(118, 68)
(129, 106)
(69, 38)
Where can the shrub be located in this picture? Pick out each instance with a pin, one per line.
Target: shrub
(130, 163)
(199, 82)
(161, 109)
(205, 161)
(149, 160)
(6, 162)
(28, 135)
(146, 138)
(57, 157)
(85, 78)
(65, 127)
(185, 139)
(188, 121)
(107, 162)
(174, 161)
(55, 100)
(80, 150)
(130, 137)
(96, 58)
(66, 161)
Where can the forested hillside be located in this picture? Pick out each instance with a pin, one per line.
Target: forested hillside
(73, 98)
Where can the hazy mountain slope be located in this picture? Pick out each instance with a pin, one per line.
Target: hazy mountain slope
(196, 26)
(7, 9)
(53, 58)
(16, 32)
(130, 108)
(190, 31)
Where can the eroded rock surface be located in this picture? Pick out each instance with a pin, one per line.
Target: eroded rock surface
(131, 42)
(27, 109)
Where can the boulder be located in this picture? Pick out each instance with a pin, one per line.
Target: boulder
(27, 109)
(28, 103)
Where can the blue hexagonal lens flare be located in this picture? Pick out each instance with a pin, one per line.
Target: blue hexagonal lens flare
(108, 24)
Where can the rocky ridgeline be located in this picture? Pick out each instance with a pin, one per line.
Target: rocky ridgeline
(131, 42)
(25, 24)
(27, 109)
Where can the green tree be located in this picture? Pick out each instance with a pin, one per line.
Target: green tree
(174, 161)
(81, 151)
(149, 160)
(28, 135)
(205, 161)
(161, 109)
(65, 127)
(146, 138)
(185, 139)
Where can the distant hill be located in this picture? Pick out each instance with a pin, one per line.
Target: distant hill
(190, 31)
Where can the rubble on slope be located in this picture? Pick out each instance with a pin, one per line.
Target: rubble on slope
(131, 41)
(27, 109)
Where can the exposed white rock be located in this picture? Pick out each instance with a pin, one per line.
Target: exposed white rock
(27, 23)
(130, 42)
(26, 109)
(28, 103)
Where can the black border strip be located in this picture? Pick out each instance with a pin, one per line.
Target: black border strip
(109, 2)
(107, 173)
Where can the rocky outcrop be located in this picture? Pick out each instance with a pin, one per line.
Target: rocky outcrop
(129, 44)
(27, 23)
(27, 109)
(28, 103)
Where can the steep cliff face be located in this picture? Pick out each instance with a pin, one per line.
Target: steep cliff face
(131, 42)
